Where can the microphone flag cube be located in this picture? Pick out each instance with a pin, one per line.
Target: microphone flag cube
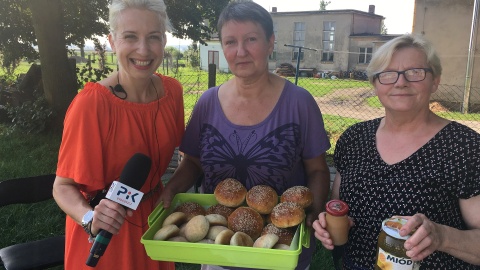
(124, 195)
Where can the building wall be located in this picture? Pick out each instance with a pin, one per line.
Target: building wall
(447, 24)
(213, 45)
(347, 23)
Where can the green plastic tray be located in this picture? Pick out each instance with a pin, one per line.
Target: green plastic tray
(222, 255)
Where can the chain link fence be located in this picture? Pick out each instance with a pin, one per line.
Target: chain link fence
(344, 101)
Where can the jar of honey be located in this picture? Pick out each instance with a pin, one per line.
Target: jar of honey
(391, 253)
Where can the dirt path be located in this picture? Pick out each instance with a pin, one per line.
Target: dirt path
(354, 105)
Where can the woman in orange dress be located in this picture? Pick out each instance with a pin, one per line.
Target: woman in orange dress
(134, 110)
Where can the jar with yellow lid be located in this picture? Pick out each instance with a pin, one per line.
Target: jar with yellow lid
(391, 253)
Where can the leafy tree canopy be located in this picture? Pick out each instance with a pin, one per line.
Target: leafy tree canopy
(86, 19)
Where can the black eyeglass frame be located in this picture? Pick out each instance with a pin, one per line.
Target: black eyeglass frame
(377, 76)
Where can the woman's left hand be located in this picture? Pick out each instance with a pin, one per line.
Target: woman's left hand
(427, 236)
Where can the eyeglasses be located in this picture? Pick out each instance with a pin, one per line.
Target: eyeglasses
(411, 75)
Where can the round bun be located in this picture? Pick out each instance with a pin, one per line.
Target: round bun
(216, 219)
(230, 192)
(220, 209)
(285, 235)
(224, 237)
(262, 198)
(191, 209)
(287, 214)
(214, 231)
(300, 195)
(197, 228)
(245, 219)
(241, 239)
(166, 232)
(266, 241)
(177, 218)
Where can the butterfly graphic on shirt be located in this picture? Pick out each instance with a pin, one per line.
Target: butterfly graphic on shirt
(250, 160)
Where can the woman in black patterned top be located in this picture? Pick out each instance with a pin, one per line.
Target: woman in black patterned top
(410, 163)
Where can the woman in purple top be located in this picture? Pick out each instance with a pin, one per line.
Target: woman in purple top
(257, 127)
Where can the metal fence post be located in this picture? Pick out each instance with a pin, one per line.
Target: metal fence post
(212, 75)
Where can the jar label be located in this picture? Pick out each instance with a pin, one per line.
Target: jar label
(387, 261)
(392, 227)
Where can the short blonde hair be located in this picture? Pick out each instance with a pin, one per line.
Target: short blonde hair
(383, 56)
(156, 6)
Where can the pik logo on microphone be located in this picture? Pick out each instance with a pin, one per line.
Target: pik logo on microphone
(124, 195)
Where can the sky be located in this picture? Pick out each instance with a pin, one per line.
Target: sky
(398, 13)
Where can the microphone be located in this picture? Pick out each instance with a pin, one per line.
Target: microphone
(125, 191)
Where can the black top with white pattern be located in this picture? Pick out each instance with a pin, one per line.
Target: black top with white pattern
(430, 181)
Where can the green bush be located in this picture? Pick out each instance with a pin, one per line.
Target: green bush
(31, 116)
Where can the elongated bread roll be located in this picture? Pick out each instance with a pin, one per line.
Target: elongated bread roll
(166, 232)
(224, 237)
(241, 239)
(266, 241)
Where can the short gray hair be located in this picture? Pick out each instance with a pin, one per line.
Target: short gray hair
(383, 56)
(156, 6)
(246, 11)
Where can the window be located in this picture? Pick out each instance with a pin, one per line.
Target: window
(365, 55)
(273, 55)
(328, 41)
(298, 39)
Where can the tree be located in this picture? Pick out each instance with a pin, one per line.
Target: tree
(324, 4)
(54, 24)
(383, 29)
(193, 60)
(189, 17)
(58, 76)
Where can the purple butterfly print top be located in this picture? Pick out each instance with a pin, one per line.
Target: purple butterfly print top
(268, 153)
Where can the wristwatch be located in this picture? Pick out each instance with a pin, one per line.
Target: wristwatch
(87, 222)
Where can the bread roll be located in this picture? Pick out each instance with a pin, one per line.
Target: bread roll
(266, 241)
(216, 219)
(224, 237)
(220, 209)
(182, 229)
(245, 219)
(285, 235)
(177, 218)
(298, 194)
(206, 241)
(287, 214)
(214, 231)
(230, 192)
(178, 238)
(241, 239)
(281, 246)
(197, 228)
(191, 209)
(166, 232)
(262, 198)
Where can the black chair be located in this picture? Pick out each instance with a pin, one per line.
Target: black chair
(40, 254)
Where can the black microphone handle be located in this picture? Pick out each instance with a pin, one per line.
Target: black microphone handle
(134, 175)
(99, 246)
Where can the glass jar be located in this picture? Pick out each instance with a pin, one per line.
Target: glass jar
(337, 221)
(391, 253)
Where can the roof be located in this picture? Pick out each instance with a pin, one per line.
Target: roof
(325, 12)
